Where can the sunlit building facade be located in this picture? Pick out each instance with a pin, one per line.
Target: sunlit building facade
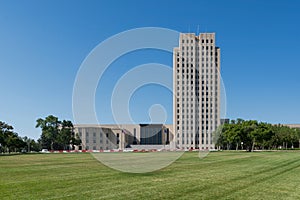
(112, 136)
(196, 99)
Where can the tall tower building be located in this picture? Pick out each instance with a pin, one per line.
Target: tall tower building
(196, 87)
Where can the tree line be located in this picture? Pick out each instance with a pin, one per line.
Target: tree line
(56, 135)
(9, 140)
(250, 134)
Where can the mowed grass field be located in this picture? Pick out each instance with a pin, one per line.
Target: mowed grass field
(220, 175)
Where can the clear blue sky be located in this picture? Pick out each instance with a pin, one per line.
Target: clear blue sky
(43, 43)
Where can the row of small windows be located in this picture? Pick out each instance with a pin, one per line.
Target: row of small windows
(197, 70)
(94, 141)
(192, 71)
(187, 99)
(203, 94)
(197, 111)
(203, 48)
(94, 134)
(197, 65)
(196, 139)
(187, 128)
(197, 93)
(197, 88)
(196, 135)
(202, 41)
(207, 117)
(212, 64)
(197, 82)
(207, 41)
(203, 105)
(203, 128)
(211, 99)
(197, 59)
(190, 76)
(207, 122)
(197, 53)
(192, 53)
(187, 41)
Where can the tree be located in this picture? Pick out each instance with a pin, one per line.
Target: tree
(56, 134)
(218, 137)
(32, 145)
(76, 140)
(65, 131)
(9, 140)
(5, 131)
(49, 127)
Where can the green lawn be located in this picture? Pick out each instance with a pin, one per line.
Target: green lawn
(221, 175)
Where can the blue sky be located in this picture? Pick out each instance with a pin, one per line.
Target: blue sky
(43, 43)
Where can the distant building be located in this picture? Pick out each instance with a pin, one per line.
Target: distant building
(293, 125)
(224, 121)
(196, 87)
(107, 137)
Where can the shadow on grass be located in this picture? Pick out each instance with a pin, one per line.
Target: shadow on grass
(282, 169)
(261, 180)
